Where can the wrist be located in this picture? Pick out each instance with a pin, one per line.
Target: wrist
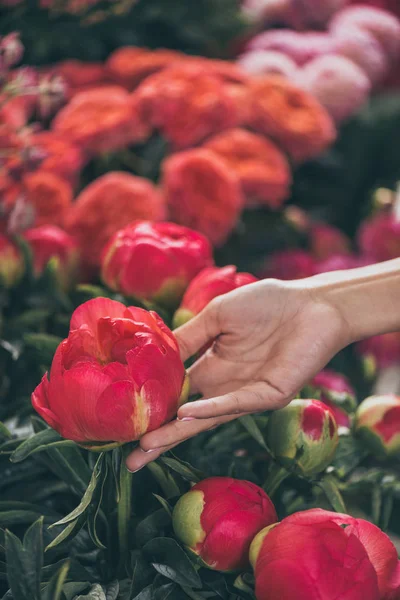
(367, 299)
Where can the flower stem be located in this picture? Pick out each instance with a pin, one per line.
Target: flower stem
(124, 508)
(276, 476)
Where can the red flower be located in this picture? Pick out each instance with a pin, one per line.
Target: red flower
(291, 116)
(261, 167)
(218, 518)
(378, 424)
(116, 376)
(62, 157)
(108, 204)
(50, 244)
(379, 237)
(77, 73)
(202, 193)
(186, 103)
(384, 349)
(337, 393)
(210, 283)
(129, 66)
(12, 265)
(326, 240)
(312, 554)
(173, 255)
(50, 196)
(289, 264)
(100, 120)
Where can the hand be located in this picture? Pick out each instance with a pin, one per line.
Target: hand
(271, 338)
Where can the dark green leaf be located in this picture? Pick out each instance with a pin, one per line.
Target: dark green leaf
(72, 589)
(377, 498)
(168, 558)
(329, 486)
(164, 504)
(145, 594)
(23, 579)
(43, 344)
(183, 469)
(96, 593)
(4, 433)
(249, 423)
(112, 591)
(349, 454)
(54, 590)
(33, 547)
(88, 495)
(71, 528)
(387, 509)
(169, 591)
(152, 526)
(36, 443)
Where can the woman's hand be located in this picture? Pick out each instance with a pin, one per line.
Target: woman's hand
(271, 338)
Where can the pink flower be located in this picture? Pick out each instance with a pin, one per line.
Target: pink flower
(267, 62)
(289, 264)
(299, 47)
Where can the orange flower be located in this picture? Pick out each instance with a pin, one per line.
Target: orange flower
(50, 196)
(129, 65)
(100, 120)
(62, 157)
(260, 166)
(225, 70)
(291, 116)
(108, 204)
(77, 72)
(241, 98)
(186, 104)
(203, 193)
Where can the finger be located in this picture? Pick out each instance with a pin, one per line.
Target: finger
(256, 397)
(139, 458)
(197, 332)
(210, 372)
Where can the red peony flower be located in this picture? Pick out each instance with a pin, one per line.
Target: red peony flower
(50, 196)
(100, 120)
(337, 393)
(218, 518)
(129, 65)
(311, 554)
(262, 169)
(173, 255)
(384, 349)
(49, 244)
(186, 103)
(108, 204)
(12, 264)
(327, 240)
(210, 283)
(202, 193)
(62, 158)
(379, 237)
(291, 116)
(77, 73)
(289, 264)
(116, 376)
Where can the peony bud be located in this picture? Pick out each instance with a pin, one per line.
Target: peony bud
(11, 51)
(117, 376)
(383, 25)
(303, 436)
(210, 283)
(310, 553)
(338, 83)
(377, 423)
(219, 517)
(12, 266)
(173, 255)
(51, 246)
(337, 393)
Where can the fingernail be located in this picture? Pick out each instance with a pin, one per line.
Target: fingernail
(187, 419)
(135, 471)
(149, 451)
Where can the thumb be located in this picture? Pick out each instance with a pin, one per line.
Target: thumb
(197, 332)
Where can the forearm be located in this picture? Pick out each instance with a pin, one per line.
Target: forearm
(368, 298)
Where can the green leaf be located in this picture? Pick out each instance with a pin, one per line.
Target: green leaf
(329, 486)
(4, 433)
(145, 594)
(96, 593)
(386, 512)
(33, 546)
(249, 423)
(55, 588)
(39, 443)
(10, 518)
(349, 454)
(164, 504)
(168, 591)
(87, 497)
(22, 565)
(73, 588)
(152, 526)
(112, 590)
(71, 528)
(183, 469)
(377, 498)
(43, 345)
(168, 559)
(164, 479)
